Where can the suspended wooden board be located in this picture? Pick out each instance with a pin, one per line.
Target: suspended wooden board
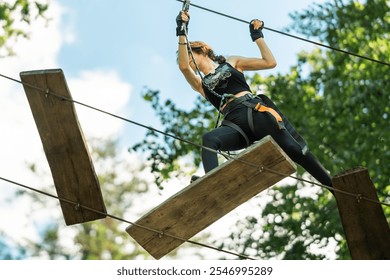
(64, 145)
(364, 222)
(209, 198)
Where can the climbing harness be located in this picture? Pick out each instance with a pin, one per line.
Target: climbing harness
(259, 107)
(230, 101)
(263, 105)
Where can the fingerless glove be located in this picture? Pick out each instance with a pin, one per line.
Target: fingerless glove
(179, 22)
(256, 34)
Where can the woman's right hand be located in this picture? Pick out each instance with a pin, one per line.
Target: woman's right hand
(182, 18)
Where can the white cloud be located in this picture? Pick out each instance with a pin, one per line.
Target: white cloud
(20, 141)
(40, 50)
(103, 90)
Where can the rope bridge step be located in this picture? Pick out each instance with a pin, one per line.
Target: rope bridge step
(211, 197)
(64, 144)
(366, 228)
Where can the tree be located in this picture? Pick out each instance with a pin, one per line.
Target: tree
(121, 184)
(12, 13)
(341, 95)
(339, 103)
(165, 151)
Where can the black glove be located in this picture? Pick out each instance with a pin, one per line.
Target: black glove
(179, 22)
(256, 34)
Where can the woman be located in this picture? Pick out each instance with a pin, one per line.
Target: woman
(247, 118)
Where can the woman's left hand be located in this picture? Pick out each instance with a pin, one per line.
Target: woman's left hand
(257, 24)
(255, 28)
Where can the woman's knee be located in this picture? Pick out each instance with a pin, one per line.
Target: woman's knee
(294, 152)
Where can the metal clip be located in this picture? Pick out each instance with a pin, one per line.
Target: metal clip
(77, 207)
(261, 169)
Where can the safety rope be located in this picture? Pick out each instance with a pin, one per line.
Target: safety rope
(159, 232)
(224, 97)
(226, 155)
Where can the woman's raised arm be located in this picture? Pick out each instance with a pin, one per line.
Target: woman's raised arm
(183, 57)
(266, 61)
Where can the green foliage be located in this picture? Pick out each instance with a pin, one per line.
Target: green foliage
(96, 240)
(9, 249)
(339, 103)
(107, 239)
(165, 151)
(292, 226)
(14, 13)
(11, 13)
(353, 111)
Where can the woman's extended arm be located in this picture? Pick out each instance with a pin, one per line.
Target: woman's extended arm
(184, 59)
(266, 61)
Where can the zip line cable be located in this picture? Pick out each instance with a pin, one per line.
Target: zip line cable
(292, 36)
(226, 155)
(160, 233)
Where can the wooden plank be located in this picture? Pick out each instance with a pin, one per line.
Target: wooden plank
(364, 222)
(64, 145)
(209, 198)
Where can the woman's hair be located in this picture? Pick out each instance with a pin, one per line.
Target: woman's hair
(204, 49)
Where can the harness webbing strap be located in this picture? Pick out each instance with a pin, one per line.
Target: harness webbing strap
(250, 120)
(263, 105)
(237, 128)
(298, 138)
(261, 108)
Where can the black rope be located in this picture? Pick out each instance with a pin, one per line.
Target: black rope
(226, 155)
(159, 232)
(292, 36)
(224, 97)
(47, 92)
(357, 196)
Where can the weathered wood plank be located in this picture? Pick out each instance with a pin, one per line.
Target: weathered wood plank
(364, 222)
(211, 197)
(64, 145)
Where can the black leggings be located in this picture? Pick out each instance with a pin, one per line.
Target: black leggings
(225, 138)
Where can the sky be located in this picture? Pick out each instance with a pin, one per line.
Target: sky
(110, 51)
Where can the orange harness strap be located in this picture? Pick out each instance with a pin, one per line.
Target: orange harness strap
(261, 108)
(251, 107)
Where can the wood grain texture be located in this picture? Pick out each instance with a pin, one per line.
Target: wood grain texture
(64, 145)
(211, 197)
(364, 222)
